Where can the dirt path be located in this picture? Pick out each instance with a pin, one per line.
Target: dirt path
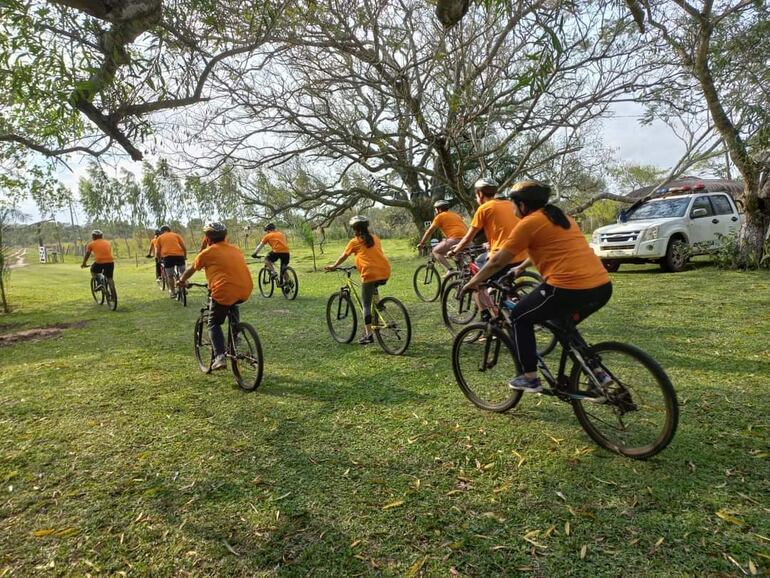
(19, 258)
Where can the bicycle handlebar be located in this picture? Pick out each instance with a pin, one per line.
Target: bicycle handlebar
(204, 285)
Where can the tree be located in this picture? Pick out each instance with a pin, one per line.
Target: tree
(375, 89)
(8, 215)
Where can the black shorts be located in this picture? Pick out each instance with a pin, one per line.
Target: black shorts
(284, 257)
(105, 269)
(175, 261)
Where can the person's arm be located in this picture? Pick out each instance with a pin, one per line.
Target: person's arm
(258, 249)
(492, 266)
(469, 235)
(189, 272)
(151, 251)
(85, 260)
(427, 235)
(339, 262)
(184, 247)
(518, 269)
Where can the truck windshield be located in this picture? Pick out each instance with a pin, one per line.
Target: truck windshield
(660, 209)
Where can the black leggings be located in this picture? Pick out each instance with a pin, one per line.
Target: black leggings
(548, 303)
(368, 291)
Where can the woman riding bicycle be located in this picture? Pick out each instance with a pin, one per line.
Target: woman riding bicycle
(576, 283)
(372, 265)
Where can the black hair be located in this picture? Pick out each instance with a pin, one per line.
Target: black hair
(362, 230)
(488, 190)
(535, 196)
(216, 236)
(556, 216)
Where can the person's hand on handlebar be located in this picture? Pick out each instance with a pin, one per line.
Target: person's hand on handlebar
(182, 283)
(329, 268)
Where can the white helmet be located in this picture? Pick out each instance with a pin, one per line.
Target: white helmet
(97, 233)
(441, 204)
(357, 220)
(481, 183)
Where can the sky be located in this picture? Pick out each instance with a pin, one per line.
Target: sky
(636, 144)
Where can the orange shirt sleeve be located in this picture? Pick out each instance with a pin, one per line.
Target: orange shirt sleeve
(478, 218)
(350, 248)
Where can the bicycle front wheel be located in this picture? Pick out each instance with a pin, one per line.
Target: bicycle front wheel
(394, 330)
(246, 361)
(266, 283)
(341, 317)
(96, 291)
(111, 294)
(457, 308)
(204, 352)
(482, 367)
(290, 284)
(636, 413)
(426, 283)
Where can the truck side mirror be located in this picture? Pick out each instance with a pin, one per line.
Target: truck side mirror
(622, 216)
(698, 213)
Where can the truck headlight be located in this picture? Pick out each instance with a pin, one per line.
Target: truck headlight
(595, 238)
(649, 234)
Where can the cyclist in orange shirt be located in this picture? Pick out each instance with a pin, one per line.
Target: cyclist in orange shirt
(372, 265)
(170, 247)
(280, 250)
(103, 261)
(575, 281)
(153, 252)
(497, 218)
(452, 228)
(229, 280)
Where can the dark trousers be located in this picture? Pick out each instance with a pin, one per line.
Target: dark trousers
(157, 268)
(550, 303)
(217, 315)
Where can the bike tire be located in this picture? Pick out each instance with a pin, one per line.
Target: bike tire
(183, 296)
(204, 351)
(96, 291)
(395, 337)
(633, 371)
(448, 278)
(290, 286)
(246, 362)
(473, 360)
(111, 295)
(341, 317)
(427, 283)
(265, 282)
(457, 309)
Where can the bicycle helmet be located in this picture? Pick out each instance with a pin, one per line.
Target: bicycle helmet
(358, 220)
(481, 183)
(532, 192)
(97, 233)
(214, 227)
(158, 232)
(165, 229)
(270, 227)
(441, 204)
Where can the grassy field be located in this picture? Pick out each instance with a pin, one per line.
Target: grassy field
(118, 457)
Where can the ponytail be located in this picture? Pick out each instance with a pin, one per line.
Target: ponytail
(362, 230)
(556, 216)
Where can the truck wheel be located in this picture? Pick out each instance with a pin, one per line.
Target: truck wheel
(677, 255)
(611, 266)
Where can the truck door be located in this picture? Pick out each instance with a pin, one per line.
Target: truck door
(701, 227)
(725, 214)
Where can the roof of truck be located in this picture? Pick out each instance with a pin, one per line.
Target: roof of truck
(709, 186)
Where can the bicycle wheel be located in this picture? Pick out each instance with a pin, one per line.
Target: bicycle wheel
(96, 291)
(457, 308)
(426, 283)
(394, 330)
(341, 317)
(448, 278)
(204, 352)
(639, 414)
(482, 367)
(183, 296)
(290, 285)
(266, 283)
(246, 361)
(111, 295)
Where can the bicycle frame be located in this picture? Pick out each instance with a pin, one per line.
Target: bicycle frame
(350, 287)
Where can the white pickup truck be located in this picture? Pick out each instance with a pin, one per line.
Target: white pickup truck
(669, 229)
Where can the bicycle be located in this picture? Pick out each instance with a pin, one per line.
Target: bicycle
(611, 385)
(243, 348)
(390, 319)
(180, 293)
(427, 281)
(161, 281)
(266, 279)
(103, 289)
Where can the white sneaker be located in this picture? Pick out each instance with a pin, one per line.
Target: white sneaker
(220, 362)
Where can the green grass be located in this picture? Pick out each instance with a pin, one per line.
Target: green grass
(118, 457)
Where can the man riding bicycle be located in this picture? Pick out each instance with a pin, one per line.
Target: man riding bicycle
(153, 252)
(576, 283)
(102, 252)
(229, 281)
(280, 250)
(452, 228)
(170, 247)
(497, 218)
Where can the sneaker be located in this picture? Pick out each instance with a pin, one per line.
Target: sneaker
(523, 383)
(220, 362)
(366, 339)
(172, 295)
(486, 316)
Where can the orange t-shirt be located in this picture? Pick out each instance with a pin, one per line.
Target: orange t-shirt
(451, 225)
(562, 256)
(226, 272)
(498, 219)
(154, 243)
(101, 250)
(170, 244)
(277, 242)
(370, 261)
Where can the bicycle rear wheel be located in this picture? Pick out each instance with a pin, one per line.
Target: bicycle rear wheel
(341, 317)
(204, 352)
(96, 291)
(426, 283)
(246, 361)
(639, 414)
(290, 285)
(266, 282)
(394, 331)
(111, 294)
(457, 308)
(482, 367)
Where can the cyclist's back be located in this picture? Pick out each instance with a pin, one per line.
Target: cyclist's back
(227, 274)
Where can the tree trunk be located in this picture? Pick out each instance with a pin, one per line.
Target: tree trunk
(754, 229)
(422, 213)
